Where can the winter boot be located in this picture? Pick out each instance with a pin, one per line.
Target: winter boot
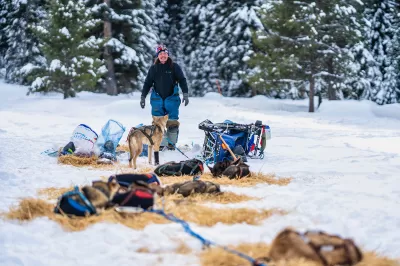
(171, 136)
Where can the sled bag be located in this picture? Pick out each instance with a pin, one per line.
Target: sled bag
(188, 167)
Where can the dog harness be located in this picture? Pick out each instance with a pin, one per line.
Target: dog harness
(143, 130)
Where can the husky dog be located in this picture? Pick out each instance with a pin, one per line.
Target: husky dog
(100, 193)
(235, 169)
(317, 246)
(150, 135)
(189, 187)
(219, 168)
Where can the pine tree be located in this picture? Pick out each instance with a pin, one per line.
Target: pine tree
(357, 82)
(22, 55)
(341, 30)
(170, 15)
(199, 36)
(275, 71)
(170, 27)
(5, 9)
(134, 38)
(381, 37)
(303, 47)
(146, 38)
(73, 63)
(233, 44)
(218, 42)
(162, 21)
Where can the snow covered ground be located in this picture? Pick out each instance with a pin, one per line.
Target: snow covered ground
(345, 161)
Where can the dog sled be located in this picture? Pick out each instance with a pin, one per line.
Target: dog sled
(245, 140)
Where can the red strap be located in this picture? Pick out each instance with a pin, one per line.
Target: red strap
(201, 168)
(139, 193)
(143, 194)
(262, 132)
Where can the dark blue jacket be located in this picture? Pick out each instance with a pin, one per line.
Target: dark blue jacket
(163, 78)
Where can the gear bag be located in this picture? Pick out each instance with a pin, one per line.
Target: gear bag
(188, 167)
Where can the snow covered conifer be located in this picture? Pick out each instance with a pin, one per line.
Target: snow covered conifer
(73, 62)
(218, 42)
(5, 7)
(234, 44)
(22, 54)
(133, 39)
(198, 36)
(145, 34)
(303, 49)
(382, 37)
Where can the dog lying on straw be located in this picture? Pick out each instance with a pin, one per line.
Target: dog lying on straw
(99, 194)
(185, 188)
(231, 169)
(317, 246)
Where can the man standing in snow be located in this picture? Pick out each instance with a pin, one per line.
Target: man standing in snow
(164, 76)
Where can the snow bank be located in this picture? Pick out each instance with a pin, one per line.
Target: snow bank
(388, 110)
(213, 95)
(351, 108)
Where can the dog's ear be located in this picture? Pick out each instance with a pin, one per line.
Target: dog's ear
(112, 179)
(113, 183)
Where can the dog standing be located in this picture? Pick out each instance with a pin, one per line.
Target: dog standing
(150, 135)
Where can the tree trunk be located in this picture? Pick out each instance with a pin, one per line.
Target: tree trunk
(311, 93)
(253, 91)
(331, 90)
(110, 81)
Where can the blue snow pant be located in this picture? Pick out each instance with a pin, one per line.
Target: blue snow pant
(170, 106)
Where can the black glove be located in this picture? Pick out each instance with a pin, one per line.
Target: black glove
(142, 104)
(185, 99)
